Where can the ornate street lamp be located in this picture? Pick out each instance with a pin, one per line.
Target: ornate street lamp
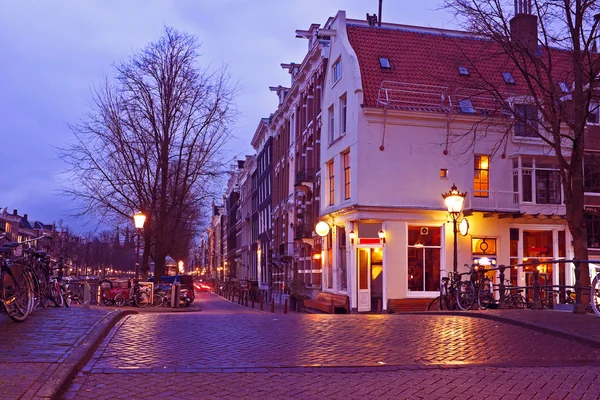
(454, 202)
(138, 220)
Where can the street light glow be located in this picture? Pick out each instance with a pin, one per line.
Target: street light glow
(139, 220)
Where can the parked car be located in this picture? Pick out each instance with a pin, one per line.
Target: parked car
(203, 286)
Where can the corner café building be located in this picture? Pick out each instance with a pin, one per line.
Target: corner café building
(389, 149)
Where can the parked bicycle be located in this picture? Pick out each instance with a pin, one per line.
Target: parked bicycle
(138, 295)
(478, 288)
(448, 293)
(595, 294)
(513, 297)
(16, 288)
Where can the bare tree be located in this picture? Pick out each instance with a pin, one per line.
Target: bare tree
(153, 142)
(550, 45)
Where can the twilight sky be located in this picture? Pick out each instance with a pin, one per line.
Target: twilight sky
(54, 51)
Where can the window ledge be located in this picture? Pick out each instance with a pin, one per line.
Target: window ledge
(336, 140)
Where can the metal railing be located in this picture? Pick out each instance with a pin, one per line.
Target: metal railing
(539, 292)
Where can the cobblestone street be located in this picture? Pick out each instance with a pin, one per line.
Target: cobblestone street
(262, 355)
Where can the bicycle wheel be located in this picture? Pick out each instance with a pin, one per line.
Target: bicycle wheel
(56, 296)
(485, 293)
(107, 302)
(18, 295)
(120, 300)
(66, 294)
(465, 295)
(515, 301)
(42, 291)
(158, 299)
(141, 299)
(595, 295)
(78, 295)
(31, 281)
(435, 304)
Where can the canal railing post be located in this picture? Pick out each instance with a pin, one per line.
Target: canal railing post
(536, 304)
(502, 295)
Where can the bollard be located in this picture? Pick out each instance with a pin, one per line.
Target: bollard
(175, 291)
(86, 294)
(246, 297)
(252, 301)
(261, 301)
(502, 299)
(379, 310)
(272, 305)
(536, 304)
(285, 305)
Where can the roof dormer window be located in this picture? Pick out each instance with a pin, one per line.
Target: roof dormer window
(564, 87)
(466, 107)
(508, 78)
(384, 63)
(463, 71)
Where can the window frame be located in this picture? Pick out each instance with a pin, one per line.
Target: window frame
(530, 178)
(331, 182)
(508, 77)
(385, 63)
(347, 180)
(343, 114)
(591, 172)
(466, 106)
(478, 169)
(336, 69)
(522, 127)
(331, 123)
(593, 109)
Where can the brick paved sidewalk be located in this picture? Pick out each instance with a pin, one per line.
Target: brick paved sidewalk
(41, 355)
(582, 328)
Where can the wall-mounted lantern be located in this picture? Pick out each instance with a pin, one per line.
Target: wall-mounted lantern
(381, 235)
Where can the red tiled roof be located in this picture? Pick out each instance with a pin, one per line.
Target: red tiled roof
(433, 59)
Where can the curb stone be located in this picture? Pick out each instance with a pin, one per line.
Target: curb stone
(61, 377)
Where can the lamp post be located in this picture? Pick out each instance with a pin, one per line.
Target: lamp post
(138, 220)
(454, 201)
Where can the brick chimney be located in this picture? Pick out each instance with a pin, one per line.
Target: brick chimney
(15, 212)
(523, 26)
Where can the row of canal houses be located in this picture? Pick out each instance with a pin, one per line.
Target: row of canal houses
(364, 139)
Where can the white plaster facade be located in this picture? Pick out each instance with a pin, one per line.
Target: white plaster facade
(396, 159)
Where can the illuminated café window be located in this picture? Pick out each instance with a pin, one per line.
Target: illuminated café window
(483, 246)
(481, 176)
(508, 77)
(463, 71)
(466, 107)
(384, 63)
